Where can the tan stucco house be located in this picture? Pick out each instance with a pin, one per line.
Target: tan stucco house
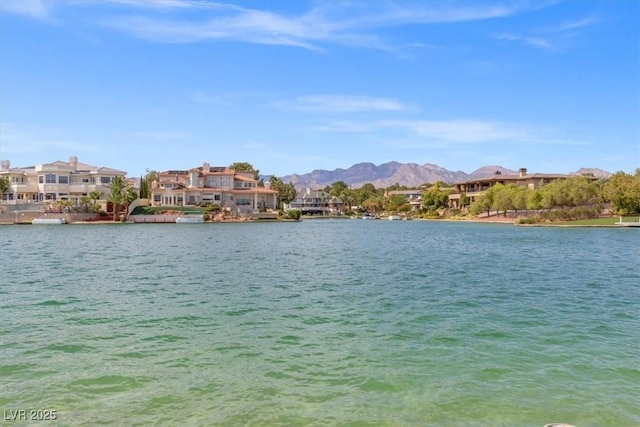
(475, 187)
(315, 202)
(219, 185)
(50, 182)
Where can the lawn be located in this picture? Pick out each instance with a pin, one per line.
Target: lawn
(599, 221)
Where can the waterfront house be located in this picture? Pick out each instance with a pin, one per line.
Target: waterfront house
(475, 187)
(56, 181)
(315, 202)
(237, 191)
(413, 197)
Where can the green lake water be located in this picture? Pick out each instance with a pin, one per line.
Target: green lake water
(332, 322)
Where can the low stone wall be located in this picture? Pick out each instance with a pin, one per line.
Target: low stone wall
(152, 219)
(25, 217)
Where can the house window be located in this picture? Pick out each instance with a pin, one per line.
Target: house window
(105, 180)
(243, 202)
(50, 178)
(40, 179)
(216, 197)
(225, 182)
(156, 198)
(213, 181)
(88, 180)
(63, 179)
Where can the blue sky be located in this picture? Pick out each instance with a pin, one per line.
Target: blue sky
(292, 86)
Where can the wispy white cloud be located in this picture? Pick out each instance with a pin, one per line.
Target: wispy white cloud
(36, 9)
(551, 38)
(531, 41)
(577, 24)
(440, 131)
(342, 103)
(344, 126)
(20, 139)
(461, 131)
(164, 4)
(349, 23)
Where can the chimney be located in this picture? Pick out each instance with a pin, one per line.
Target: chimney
(206, 167)
(5, 165)
(73, 162)
(523, 172)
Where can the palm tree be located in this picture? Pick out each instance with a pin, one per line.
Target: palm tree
(116, 195)
(121, 195)
(65, 205)
(94, 196)
(85, 201)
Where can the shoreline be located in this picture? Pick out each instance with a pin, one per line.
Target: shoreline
(497, 221)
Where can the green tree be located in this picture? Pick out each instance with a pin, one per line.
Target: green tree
(484, 202)
(294, 214)
(145, 191)
(94, 196)
(622, 190)
(85, 201)
(367, 191)
(245, 167)
(337, 188)
(286, 192)
(518, 197)
(534, 200)
(347, 198)
(65, 205)
(464, 200)
(4, 186)
(146, 183)
(120, 195)
(501, 198)
(373, 204)
(395, 202)
(435, 197)
(570, 192)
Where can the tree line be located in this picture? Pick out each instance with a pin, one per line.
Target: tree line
(576, 197)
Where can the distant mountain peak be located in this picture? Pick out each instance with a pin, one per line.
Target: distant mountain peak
(407, 174)
(598, 173)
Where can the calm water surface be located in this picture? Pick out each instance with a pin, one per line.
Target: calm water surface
(318, 323)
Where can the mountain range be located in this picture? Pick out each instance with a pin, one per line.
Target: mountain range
(406, 174)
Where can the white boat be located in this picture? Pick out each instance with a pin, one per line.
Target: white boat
(189, 219)
(394, 218)
(367, 216)
(50, 221)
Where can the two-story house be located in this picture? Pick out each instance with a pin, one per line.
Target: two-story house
(414, 197)
(208, 185)
(475, 187)
(50, 182)
(315, 202)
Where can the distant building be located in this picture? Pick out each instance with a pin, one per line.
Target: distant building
(50, 182)
(414, 197)
(208, 185)
(315, 202)
(475, 187)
